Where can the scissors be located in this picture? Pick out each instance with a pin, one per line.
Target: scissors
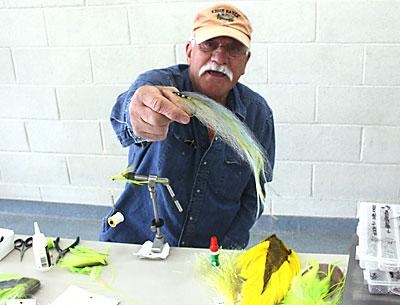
(22, 245)
(62, 252)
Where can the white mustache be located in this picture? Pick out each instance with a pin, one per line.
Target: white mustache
(212, 66)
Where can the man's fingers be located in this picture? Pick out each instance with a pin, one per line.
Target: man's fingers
(151, 117)
(149, 131)
(166, 107)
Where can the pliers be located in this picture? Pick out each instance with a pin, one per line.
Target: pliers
(62, 252)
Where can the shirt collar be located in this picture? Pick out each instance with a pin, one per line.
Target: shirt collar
(235, 103)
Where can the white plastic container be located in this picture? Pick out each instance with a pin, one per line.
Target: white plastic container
(382, 282)
(40, 250)
(6, 242)
(379, 239)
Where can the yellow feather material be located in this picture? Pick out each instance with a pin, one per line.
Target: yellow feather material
(267, 270)
(223, 279)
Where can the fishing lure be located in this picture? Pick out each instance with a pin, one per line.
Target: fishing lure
(231, 130)
(267, 269)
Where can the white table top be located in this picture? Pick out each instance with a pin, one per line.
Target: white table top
(172, 281)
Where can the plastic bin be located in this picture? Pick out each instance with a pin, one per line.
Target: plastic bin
(378, 233)
(382, 282)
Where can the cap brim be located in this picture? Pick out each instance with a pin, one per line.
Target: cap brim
(208, 32)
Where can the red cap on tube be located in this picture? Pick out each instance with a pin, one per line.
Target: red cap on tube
(214, 244)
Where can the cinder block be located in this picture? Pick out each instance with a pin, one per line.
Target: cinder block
(53, 66)
(42, 3)
(80, 195)
(381, 145)
(124, 64)
(12, 135)
(315, 64)
(28, 102)
(23, 3)
(357, 181)
(358, 21)
(111, 144)
(290, 104)
(117, 192)
(256, 69)
(64, 136)
(110, 2)
(180, 54)
(359, 105)
(144, 17)
(318, 142)
(63, 3)
(87, 26)
(291, 179)
(20, 192)
(382, 65)
(33, 169)
(7, 70)
(13, 34)
(314, 207)
(281, 21)
(88, 103)
(95, 170)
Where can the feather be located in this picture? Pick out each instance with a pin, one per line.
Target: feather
(84, 260)
(224, 279)
(267, 270)
(315, 287)
(16, 287)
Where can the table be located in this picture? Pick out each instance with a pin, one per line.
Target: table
(169, 282)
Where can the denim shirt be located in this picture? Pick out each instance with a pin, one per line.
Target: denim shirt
(213, 184)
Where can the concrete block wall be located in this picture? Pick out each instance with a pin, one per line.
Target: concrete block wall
(330, 70)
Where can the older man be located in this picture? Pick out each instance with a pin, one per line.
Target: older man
(214, 186)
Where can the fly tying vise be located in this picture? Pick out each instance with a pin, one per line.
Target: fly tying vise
(130, 176)
(234, 132)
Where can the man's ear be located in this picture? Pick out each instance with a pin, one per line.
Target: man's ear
(248, 57)
(189, 52)
(247, 60)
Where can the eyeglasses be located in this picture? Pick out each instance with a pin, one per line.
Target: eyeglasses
(233, 49)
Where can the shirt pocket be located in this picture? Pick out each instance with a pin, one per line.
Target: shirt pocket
(176, 158)
(232, 179)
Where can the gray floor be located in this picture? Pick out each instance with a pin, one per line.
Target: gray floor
(303, 234)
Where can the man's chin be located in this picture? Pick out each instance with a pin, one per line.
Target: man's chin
(216, 89)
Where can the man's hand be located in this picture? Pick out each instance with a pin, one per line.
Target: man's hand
(152, 109)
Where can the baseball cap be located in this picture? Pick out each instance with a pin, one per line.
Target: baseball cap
(222, 19)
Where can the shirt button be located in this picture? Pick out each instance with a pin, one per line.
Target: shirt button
(183, 153)
(205, 162)
(190, 218)
(216, 138)
(198, 190)
(182, 243)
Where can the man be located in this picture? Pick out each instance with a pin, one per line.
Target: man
(214, 186)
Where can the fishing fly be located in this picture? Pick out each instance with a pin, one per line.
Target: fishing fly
(232, 131)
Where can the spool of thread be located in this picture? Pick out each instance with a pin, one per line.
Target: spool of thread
(115, 220)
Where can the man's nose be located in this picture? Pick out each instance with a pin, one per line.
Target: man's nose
(219, 55)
